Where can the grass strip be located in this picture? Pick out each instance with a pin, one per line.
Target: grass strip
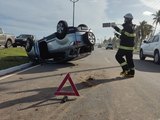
(11, 57)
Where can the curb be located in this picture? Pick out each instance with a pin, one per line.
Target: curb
(14, 69)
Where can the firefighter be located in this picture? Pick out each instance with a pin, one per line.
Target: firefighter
(124, 55)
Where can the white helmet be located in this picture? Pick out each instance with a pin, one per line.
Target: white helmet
(128, 16)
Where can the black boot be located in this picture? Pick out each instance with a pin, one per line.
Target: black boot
(122, 73)
(130, 73)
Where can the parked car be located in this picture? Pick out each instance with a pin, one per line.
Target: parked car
(21, 39)
(109, 46)
(68, 43)
(6, 40)
(151, 48)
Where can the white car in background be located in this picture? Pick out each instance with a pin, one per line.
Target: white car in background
(6, 40)
(151, 48)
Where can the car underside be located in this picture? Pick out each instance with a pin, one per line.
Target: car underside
(71, 43)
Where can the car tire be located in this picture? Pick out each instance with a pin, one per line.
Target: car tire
(29, 44)
(141, 55)
(83, 26)
(14, 45)
(62, 29)
(43, 50)
(89, 38)
(156, 57)
(8, 44)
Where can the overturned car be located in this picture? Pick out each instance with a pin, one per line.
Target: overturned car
(68, 43)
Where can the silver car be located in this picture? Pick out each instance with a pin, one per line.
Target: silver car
(151, 48)
(68, 43)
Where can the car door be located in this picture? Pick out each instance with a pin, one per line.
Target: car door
(154, 44)
(147, 46)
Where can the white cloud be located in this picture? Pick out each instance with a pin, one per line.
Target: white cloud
(154, 4)
(147, 13)
(41, 18)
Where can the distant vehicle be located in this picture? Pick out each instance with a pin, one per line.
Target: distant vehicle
(21, 39)
(151, 48)
(68, 43)
(99, 46)
(109, 46)
(6, 40)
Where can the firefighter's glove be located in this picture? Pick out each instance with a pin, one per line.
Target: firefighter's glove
(113, 25)
(117, 35)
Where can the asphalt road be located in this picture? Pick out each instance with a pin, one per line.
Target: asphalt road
(104, 95)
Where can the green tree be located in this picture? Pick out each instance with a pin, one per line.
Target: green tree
(110, 40)
(156, 19)
(114, 42)
(137, 38)
(104, 42)
(144, 30)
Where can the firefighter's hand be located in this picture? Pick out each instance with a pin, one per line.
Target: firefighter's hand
(117, 35)
(113, 25)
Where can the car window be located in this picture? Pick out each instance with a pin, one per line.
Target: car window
(25, 36)
(150, 39)
(21, 36)
(156, 39)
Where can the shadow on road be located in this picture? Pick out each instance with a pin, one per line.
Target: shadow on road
(40, 77)
(45, 96)
(47, 67)
(146, 66)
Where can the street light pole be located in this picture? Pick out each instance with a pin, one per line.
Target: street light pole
(74, 1)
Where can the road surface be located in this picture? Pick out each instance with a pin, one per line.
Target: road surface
(104, 95)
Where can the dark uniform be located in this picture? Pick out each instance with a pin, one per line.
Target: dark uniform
(126, 35)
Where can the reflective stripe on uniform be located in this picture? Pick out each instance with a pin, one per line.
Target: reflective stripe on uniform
(123, 64)
(127, 33)
(126, 48)
(130, 34)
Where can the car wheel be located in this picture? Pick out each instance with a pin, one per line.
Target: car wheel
(8, 44)
(89, 38)
(83, 27)
(62, 28)
(156, 57)
(29, 44)
(14, 45)
(141, 55)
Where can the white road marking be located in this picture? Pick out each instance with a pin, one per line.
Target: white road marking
(7, 76)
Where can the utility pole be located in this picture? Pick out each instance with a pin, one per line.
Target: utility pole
(74, 1)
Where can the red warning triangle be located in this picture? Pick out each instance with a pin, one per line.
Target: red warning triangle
(69, 93)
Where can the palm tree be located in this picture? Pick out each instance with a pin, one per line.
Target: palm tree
(137, 38)
(156, 19)
(143, 31)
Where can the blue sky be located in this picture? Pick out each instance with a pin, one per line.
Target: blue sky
(41, 17)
